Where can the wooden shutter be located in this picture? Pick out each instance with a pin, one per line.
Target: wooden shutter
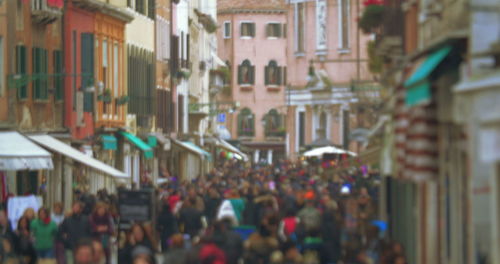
(45, 72)
(278, 30)
(278, 74)
(269, 30)
(284, 75)
(174, 55)
(35, 66)
(252, 124)
(266, 75)
(151, 9)
(87, 69)
(252, 29)
(252, 74)
(21, 70)
(187, 50)
(240, 74)
(182, 50)
(284, 31)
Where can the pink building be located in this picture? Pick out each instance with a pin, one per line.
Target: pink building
(252, 41)
(327, 63)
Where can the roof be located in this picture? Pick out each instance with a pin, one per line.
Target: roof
(250, 5)
(19, 153)
(76, 155)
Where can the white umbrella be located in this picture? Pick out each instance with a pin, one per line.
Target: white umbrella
(318, 152)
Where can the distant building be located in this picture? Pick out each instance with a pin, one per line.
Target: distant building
(252, 40)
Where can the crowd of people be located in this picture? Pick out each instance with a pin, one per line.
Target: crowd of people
(284, 213)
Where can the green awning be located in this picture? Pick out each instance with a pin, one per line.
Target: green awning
(198, 149)
(109, 142)
(152, 141)
(418, 85)
(148, 151)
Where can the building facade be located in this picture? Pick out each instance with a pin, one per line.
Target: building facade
(327, 66)
(253, 43)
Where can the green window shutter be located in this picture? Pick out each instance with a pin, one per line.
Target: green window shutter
(279, 75)
(45, 79)
(266, 75)
(87, 70)
(240, 76)
(268, 30)
(252, 125)
(35, 59)
(278, 30)
(21, 70)
(284, 31)
(58, 78)
(252, 74)
(252, 29)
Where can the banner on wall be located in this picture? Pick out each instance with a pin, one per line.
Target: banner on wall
(17, 205)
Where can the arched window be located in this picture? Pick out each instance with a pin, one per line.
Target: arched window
(273, 74)
(246, 73)
(246, 122)
(274, 125)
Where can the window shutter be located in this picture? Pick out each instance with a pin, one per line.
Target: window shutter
(284, 75)
(45, 79)
(266, 75)
(34, 59)
(252, 74)
(278, 73)
(252, 124)
(242, 32)
(240, 124)
(278, 30)
(151, 9)
(174, 55)
(268, 30)
(252, 29)
(240, 75)
(21, 70)
(187, 50)
(87, 70)
(284, 31)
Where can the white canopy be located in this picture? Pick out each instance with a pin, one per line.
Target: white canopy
(318, 152)
(19, 153)
(226, 145)
(68, 151)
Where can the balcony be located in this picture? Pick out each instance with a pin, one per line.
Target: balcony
(46, 11)
(390, 36)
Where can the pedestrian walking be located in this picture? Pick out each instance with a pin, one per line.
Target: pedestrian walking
(102, 227)
(74, 228)
(44, 232)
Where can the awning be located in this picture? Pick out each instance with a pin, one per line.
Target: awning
(227, 146)
(148, 151)
(19, 153)
(64, 149)
(218, 61)
(418, 86)
(193, 148)
(109, 142)
(318, 152)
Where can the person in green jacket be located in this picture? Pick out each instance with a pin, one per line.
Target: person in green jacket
(44, 232)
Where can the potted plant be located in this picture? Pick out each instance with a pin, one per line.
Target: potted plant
(122, 100)
(372, 16)
(105, 96)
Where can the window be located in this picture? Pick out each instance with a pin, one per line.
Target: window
(247, 29)
(139, 6)
(40, 87)
(246, 123)
(302, 128)
(21, 70)
(274, 125)
(58, 75)
(2, 84)
(273, 30)
(273, 74)
(246, 73)
(321, 22)
(115, 70)
(300, 27)
(227, 29)
(343, 24)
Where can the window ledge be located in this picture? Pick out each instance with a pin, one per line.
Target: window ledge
(248, 87)
(40, 101)
(273, 88)
(246, 37)
(272, 38)
(300, 54)
(321, 52)
(344, 50)
(227, 37)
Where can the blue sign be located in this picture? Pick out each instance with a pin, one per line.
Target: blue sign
(221, 118)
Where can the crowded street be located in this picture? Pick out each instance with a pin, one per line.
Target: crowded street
(249, 131)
